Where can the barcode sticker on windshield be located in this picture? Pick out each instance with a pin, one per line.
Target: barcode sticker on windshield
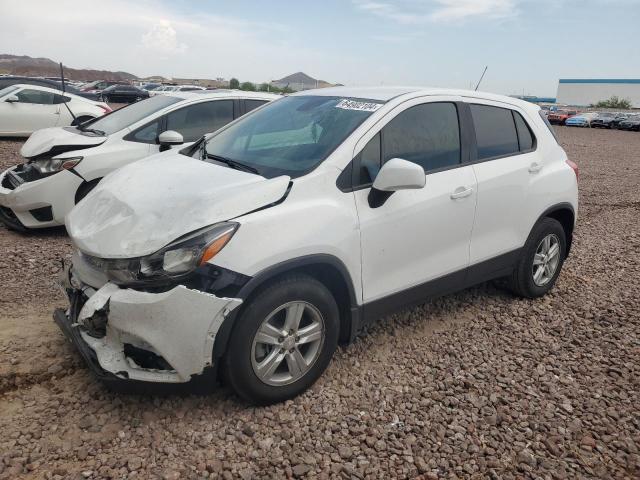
(361, 106)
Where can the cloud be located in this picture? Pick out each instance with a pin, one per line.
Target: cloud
(162, 38)
(153, 38)
(408, 12)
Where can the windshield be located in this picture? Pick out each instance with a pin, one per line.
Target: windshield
(7, 90)
(127, 116)
(291, 136)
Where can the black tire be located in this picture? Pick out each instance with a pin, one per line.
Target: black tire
(237, 364)
(521, 281)
(85, 188)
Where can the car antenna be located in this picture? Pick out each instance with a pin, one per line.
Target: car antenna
(64, 91)
(478, 84)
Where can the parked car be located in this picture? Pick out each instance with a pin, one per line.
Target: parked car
(582, 120)
(620, 117)
(559, 117)
(63, 164)
(123, 94)
(8, 80)
(98, 86)
(261, 246)
(27, 108)
(631, 123)
(160, 90)
(150, 86)
(603, 120)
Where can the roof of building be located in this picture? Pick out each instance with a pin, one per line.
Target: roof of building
(601, 80)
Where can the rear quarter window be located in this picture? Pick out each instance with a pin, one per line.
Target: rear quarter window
(549, 126)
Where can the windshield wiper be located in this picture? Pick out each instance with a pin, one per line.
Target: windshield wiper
(232, 163)
(91, 130)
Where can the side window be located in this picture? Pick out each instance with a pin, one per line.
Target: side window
(196, 120)
(525, 137)
(60, 99)
(252, 105)
(368, 162)
(495, 131)
(35, 96)
(147, 134)
(428, 135)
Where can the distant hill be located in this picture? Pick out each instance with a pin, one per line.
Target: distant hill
(300, 81)
(45, 67)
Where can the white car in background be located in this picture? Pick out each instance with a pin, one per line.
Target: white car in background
(62, 165)
(27, 108)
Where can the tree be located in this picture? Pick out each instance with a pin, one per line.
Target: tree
(264, 87)
(234, 83)
(614, 102)
(248, 86)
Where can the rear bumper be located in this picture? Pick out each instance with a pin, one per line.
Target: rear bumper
(164, 338)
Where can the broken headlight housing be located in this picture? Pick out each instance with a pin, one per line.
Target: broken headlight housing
(172, 262)
(52, 165)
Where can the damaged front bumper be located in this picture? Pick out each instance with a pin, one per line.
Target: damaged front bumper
(30, 200)
(131, 335)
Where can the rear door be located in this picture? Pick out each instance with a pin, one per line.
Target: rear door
(507, 162)
(415, 236)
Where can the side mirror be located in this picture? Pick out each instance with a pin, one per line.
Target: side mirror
(396, 174)
(12, 99)
(169, 138)
(399, 174)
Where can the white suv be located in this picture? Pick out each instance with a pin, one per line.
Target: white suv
(260, 247)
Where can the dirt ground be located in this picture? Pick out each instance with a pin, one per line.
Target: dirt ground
(474, 385)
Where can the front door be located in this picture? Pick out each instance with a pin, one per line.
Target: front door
(416, 236)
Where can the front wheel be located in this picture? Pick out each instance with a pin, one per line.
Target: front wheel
(541, 261)
(282, 341)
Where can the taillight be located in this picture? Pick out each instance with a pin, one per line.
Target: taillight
(574, 167)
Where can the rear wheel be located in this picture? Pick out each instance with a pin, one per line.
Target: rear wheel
(282, 341)
(541, 260)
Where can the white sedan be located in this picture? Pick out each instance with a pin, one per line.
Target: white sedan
(62, 165)
(27, 108)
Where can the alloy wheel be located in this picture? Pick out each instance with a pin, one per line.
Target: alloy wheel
(287, 343)
(546, 260)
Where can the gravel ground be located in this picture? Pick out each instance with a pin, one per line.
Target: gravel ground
(473, 385)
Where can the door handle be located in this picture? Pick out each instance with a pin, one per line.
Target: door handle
(461, 192)
(535, 167)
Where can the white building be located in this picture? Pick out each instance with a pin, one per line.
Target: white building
(583, 92)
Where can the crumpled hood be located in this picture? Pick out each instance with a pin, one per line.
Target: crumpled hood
(42, 141)
(146, 205)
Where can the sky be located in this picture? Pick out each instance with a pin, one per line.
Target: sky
(527, 44)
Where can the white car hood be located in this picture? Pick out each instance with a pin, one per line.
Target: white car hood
(44, 140)
(146, 205)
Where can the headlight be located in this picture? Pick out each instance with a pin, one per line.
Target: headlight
(52, 165)
(176, 260)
